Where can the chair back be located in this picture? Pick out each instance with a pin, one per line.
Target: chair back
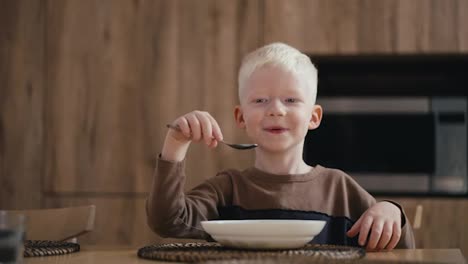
(58, 224)
(414, 212)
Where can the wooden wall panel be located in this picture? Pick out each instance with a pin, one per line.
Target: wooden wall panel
(377, 26)
(119, 71)
(413, 26)
(368, 26)
(444, 26)
(462, 28)
(313, 26)
(283, 21)
(112, 67)
(21, 103)
(432, 26)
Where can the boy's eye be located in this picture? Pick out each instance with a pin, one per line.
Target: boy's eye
(291, 100)
(260, 100)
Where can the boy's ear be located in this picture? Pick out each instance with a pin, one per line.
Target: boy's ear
(239, 116)
(316, 117)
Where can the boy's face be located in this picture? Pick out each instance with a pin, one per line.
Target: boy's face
(276, 109)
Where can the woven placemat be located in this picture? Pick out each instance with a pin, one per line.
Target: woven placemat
(197, 252)
(38, 248)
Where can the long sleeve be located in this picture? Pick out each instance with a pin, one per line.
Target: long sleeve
(322, 194)
(173, 213)
(357, 193)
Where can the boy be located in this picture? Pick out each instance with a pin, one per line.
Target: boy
(277, 91)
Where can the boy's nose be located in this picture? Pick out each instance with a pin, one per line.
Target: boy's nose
(276, 109)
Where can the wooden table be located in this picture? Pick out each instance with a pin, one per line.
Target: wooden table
(121, 256)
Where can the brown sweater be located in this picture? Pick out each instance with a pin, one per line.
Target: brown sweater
(322, 194)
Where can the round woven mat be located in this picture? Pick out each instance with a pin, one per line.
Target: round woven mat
(37, 248)
(197, 252)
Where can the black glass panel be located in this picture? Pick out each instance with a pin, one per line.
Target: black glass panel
(373, 143)
(391, 74)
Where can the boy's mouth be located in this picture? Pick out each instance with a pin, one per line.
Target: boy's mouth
(276, 130)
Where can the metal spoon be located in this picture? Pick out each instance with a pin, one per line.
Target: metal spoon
(232, 145)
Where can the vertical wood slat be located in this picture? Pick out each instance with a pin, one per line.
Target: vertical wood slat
(444, 26)
(317, 14)
(111, 65)
(377, 26)
(413, 26)
(283, 22)
(462, 28)
(346, 15)
(21, 103)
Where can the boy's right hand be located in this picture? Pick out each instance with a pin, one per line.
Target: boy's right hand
(195, 126)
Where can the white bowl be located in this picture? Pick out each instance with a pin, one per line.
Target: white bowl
(263, 234)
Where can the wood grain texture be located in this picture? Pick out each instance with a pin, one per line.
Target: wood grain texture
(413, 26)
(313, 26)
(368, 26)
(21, 103)
(119, 71)
(112, 67)
(462, 28)
(444, 26)
(377, 26)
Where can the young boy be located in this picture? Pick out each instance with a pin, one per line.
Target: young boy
(277, 91)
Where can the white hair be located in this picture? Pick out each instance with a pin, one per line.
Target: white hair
(283, 56)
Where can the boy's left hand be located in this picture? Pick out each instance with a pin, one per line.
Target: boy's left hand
(383, 221)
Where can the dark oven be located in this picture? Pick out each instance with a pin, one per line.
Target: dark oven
(396, 124)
